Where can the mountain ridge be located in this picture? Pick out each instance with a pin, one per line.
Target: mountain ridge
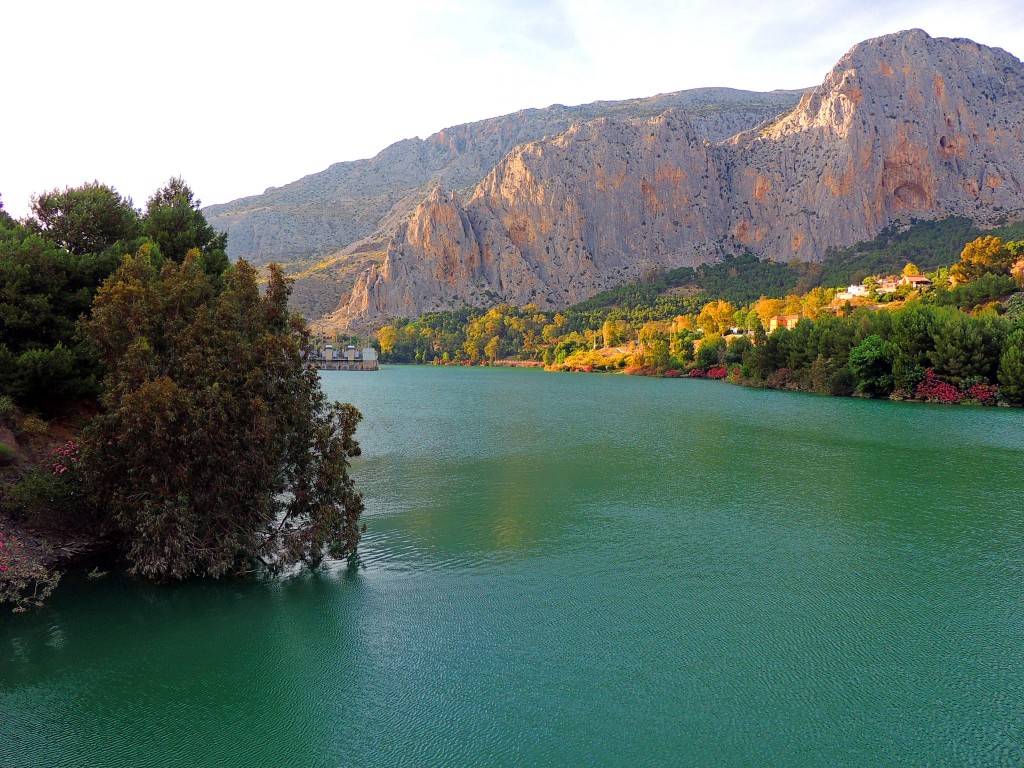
(344, 216)
(463, 154)
(903, 125)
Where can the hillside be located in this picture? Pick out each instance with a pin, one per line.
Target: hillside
(904, 126)
(323, 226)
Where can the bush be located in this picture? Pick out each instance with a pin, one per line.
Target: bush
(984, 394)
(641, 370)
(52, 495)
(6, 454)
(8, 410)
(43, 500)
(64, 459)
(33, 426)
(592, 359)
(934, 390)
(899, 394)
(1015, 306)
(711, 351)
(783, 378)
(829, 377)
(24, 583)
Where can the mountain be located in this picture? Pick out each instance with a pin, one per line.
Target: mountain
(904, 126)
(328, 226)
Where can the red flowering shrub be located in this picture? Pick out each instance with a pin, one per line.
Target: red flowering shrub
(986, 394)
(932, 389)
(716, 373)
(672, 373)
(695, 373)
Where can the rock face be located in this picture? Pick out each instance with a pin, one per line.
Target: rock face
(904, 125)
(329, 211)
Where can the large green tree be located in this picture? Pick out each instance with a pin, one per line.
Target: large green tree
(216, 446)
(1011, 367)
(967, 347)
(912, 340)
(86, 219)
(985, 255)
(174, 222)
(44, 289)
(871, 365)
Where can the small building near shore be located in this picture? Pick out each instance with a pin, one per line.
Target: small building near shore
(351, 358)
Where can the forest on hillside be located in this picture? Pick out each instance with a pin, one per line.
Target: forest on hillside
(964, 333)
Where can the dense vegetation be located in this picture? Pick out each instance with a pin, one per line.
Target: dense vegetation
(904, 354)
(52, 265)
(212, 447)
(678, 321)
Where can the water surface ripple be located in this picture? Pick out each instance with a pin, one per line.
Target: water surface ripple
(581, 570)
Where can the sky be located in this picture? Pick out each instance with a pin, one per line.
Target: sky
(236, 97)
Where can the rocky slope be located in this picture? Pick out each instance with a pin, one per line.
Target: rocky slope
(328, 227)
(904, 125)
(322, 213)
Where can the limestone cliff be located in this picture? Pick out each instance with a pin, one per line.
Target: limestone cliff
(328, 211)
(904, 125)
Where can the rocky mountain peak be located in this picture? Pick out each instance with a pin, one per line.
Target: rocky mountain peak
(903, 125)
(889, 76)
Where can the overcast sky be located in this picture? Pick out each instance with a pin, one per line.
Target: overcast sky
(239, 96)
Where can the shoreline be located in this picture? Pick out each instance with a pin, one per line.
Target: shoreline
(726, 376)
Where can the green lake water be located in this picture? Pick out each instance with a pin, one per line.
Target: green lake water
(581, 570)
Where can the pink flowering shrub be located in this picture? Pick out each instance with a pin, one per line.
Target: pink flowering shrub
(52, 494)
(932, 389)
(63, 459)
(695, 373)
(716, 373)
